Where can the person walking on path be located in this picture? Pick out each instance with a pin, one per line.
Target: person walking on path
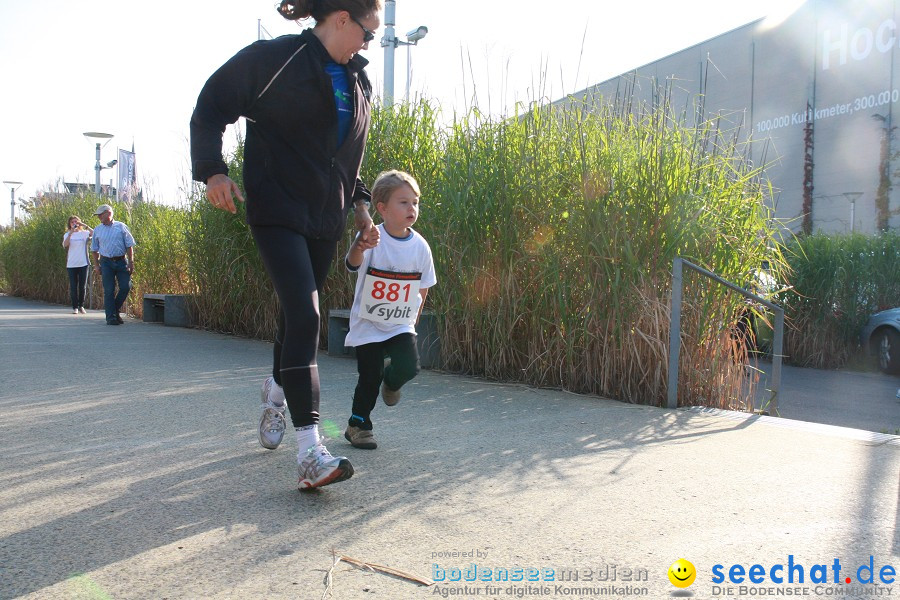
(306, 101)
(113, 250)
(75, 242)
(391, 286)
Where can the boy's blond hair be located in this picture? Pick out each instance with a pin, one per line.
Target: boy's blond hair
(387, 183)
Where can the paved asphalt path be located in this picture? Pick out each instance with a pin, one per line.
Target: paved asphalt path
(863, 400)
(129, 468)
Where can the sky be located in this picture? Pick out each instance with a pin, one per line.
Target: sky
(134, 69)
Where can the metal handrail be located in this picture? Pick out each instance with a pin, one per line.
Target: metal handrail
(675, 331)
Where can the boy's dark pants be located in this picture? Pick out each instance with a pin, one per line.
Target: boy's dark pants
(370, 365)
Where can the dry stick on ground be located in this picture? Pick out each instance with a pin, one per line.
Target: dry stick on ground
(389, 571)
(328, 579)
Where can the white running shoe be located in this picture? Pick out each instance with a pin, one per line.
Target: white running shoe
(81, 310)
(271, 422)
(320, 468)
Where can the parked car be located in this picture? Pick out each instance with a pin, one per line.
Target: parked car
(881, 338)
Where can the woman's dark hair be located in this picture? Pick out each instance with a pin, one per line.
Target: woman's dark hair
(319, 9)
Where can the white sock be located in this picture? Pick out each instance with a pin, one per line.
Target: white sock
(307, 437)
(279, 399)
(277, 395)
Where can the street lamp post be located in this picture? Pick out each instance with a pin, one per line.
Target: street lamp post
(852, 197)
(390, 42)
(13, 186)
(98, 137)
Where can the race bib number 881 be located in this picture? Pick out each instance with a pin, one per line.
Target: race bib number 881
(390, 298)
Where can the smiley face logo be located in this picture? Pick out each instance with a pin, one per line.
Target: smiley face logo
(682, 573)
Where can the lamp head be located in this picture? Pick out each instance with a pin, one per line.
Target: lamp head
(98, 137)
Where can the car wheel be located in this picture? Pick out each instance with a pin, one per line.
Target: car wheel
(887, 350)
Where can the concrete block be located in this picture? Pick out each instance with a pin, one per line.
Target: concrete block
(169, 309)
(178, 311)
(338, 326)
(153, 308)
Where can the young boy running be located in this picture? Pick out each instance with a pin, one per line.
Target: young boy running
(392, 282)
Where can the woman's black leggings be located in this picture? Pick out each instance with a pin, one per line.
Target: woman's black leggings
(77, 279)
(297, 267)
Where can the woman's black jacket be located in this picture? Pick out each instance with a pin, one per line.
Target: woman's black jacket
(295, 175)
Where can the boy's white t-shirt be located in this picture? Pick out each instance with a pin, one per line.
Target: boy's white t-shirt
(77, 256)
(409, 255)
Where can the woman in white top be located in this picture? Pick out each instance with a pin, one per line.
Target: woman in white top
(75, 242)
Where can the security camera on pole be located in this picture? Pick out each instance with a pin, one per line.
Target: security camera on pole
(390, 42)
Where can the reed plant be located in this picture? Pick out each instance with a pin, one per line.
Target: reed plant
(554, 232)
(34, 260)
(839, 281)
(232, 292)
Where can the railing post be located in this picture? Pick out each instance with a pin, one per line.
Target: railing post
(777, 353)
(675, 331)
(674, 334)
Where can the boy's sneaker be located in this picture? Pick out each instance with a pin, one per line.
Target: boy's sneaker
(390, 397)
(360, 438)
(81, 310)
(319, 468)
(74, 311)
(271, 422)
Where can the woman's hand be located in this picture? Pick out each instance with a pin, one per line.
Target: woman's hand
(369, 237)
(366, 240)
(368, 233)
(221, 191)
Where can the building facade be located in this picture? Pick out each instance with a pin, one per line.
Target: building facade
(812, 95)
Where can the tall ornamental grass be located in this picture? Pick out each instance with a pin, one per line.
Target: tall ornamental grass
(34, 260)
(554, 233)
(232, 290)
(839, 281)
